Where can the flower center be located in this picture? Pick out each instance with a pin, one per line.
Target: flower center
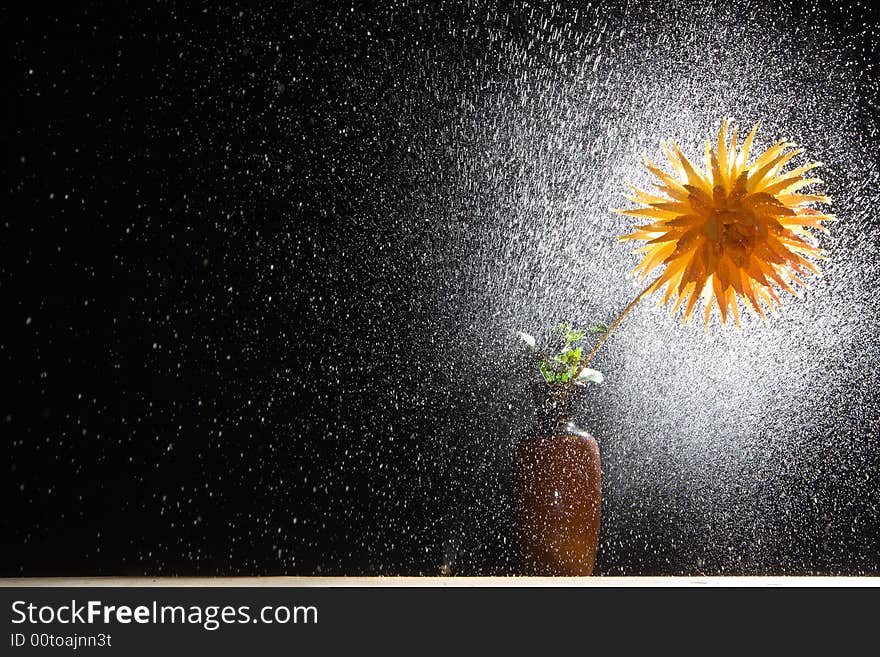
(731, 227)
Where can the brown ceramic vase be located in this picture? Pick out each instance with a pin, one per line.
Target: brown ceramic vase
(558, 491)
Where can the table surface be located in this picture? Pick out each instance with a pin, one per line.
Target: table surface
(328, 582)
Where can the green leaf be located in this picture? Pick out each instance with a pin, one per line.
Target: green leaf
(548, 371)
(568, 334)
(598, 328)
(571, 356)
(574, 336)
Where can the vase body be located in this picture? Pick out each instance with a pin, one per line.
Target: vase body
(558, 494)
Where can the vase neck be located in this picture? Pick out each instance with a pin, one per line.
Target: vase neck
(554, 409)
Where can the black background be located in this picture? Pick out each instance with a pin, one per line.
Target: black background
(178, 245)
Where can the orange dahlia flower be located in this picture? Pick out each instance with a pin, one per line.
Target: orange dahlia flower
(732, 231)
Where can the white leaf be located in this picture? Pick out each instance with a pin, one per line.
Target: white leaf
(589, 375)
(525, 337)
